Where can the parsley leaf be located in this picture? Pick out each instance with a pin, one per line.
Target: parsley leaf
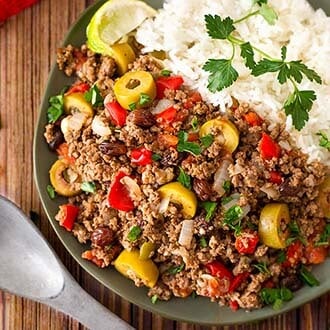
(223, 74)
(166, 73)
(325, 236)
(281, 257)
(132, 106)
(324, 140)
(207, 140)
(56, 108)
(248, 54)
(93, 96)
(233, 218)
(226, 186)
(156, 157)
(298, 105)
(176, 269)
(266, 65)
(184, 178)
(308, 278)
(218, 28)
(210, 208)
(185, 145)
(154, 299)
(202, 242)
(144, 99)
(268, 13)
(262, 267)
(51, 191)
(134, 233)
(194, 123)
(275, 296)
(88, 187)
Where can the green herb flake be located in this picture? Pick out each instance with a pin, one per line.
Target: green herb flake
(262, 267)
(56, 108)
(185, 145)
(307, 277)
(176, 269)
(210, 208)
(281, 257)
(202, 242)
(218, 28)
(275, 297)
(278, 304)
(51, 191)
(88, 187)
(144, 99)
(156, 157)
(268, 13)
(134, 233)
(94, 96)
(247, 54)
(154, 299)
(324, 140)
(226, 186)
(194, 123)
(232, 218)
(184, 178)
(207, 140)
(166, 73)
(325, 236)
(132, 106)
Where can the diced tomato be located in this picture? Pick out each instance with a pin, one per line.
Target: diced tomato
(192, 137)
(276, 177)
(268, 147)
(269, 284)
(167, 116)
(63, 152)
(118, 196)
(68, 215)
(194, 98)
(233, 304)
(78, 88)
(88, 255)
(316, 254)
(162, 83)
(218, 269)
(238, 280)
(253, 119)
(141, 156)
(246, 242)
(117, 113)
(294, 254)
(168, 140)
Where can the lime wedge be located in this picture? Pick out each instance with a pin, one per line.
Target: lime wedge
(113, 20)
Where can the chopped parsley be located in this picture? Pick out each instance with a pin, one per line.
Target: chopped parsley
(154, 299)
(194, 123)
(295, 234)
(134, 233)
(262, 267)
(307, 277)
(132, 106)
(281, 257)
(144, 99)
(275, 297)
(233, 218)
(222, 73)
(156, 157)
(184, 178)
(324, 140)
(88, 187)
(203, 242)
(166, 73)
(226, 186)
(94, 96)
(207, 140)
(176, 269)
(51, 191)
(210, 208)
(325, 236)
(185, 145)
(56, 108)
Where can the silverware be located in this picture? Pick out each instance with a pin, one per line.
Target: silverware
(30, 268)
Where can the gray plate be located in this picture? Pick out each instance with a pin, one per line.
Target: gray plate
(199, 310)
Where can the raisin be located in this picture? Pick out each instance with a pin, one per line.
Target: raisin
(102, 237)
(292, 282)
(113, 148)
(143, 118)
(202, 189)
(58, 139)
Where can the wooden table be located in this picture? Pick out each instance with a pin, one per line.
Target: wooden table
(28, 44)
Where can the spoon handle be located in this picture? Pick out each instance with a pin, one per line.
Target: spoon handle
(76, 302)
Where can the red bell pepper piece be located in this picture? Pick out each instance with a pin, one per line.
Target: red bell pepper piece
(253, 119)
(238, 279)
(275, 177)
(268, 147)
(118, 196)
(162, 83)
(218, 269)
(246, 242)
(294, 253)
(117, 113)
(78, 88)
(316, 254)
(233, 304)
(141, 156)
(194, 98)
(68, 213)
(167, 116)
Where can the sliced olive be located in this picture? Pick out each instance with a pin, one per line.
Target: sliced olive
(123, 55)
(76, 102)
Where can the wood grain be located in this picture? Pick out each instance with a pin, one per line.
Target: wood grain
(27, 49)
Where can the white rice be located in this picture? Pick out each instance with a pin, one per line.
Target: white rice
(179, 29)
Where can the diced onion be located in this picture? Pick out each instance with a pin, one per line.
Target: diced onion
(220, 177)
(233, 202)
(162, 105)
(163, 205)
(246, 209)
(270, 191)
(237, 169)
(73, 123)
(99, 127)
(135, 192)
(186, 233)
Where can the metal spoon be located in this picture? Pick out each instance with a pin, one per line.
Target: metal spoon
(30, 268)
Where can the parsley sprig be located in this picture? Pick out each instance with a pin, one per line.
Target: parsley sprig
(223, 74)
